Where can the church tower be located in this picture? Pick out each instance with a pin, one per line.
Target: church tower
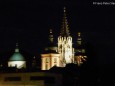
(65, 48)
(80, 56)
(50, 57)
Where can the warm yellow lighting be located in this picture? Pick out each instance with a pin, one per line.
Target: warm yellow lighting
(80, 59)
(66, 50)
(49, 60)
(17, 64)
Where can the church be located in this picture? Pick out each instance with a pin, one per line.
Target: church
(58, 55)
(19, 73)
(64, 53)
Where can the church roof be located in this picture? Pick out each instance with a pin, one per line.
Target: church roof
(17, 56)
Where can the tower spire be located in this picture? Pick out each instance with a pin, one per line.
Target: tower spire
(65, 28)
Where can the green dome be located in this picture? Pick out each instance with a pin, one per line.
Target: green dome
(16, 57)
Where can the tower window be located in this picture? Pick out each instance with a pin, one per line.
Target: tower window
(55, 60)
(68, 46)
(47, 60)
(46, 66)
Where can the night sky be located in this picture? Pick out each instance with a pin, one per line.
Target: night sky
(29, 21)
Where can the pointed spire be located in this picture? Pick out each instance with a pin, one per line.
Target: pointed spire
(16, 49)
(65, 28)
(51, 36)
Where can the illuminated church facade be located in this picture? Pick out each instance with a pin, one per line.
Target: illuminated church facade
(64, 53)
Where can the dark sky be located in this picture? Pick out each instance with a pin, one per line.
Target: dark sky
(28, 22)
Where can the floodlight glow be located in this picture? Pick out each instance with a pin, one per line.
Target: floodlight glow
(80, 59)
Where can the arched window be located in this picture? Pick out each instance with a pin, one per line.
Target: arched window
(46, 66)
(55, 60)
(47, 60)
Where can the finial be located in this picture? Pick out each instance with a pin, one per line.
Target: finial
(17, 49)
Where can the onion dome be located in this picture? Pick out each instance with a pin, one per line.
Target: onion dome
(51, 47)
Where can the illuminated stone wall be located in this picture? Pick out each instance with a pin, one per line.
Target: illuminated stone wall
(66, 50)
(50, 60)
(17, 64)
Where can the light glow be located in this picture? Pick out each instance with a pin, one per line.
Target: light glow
(17, 64)
(80, 59)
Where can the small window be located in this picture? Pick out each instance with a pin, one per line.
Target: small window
(46, 66)
(36, 78)
(48, 80)
(47, 60)
(12, 79)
